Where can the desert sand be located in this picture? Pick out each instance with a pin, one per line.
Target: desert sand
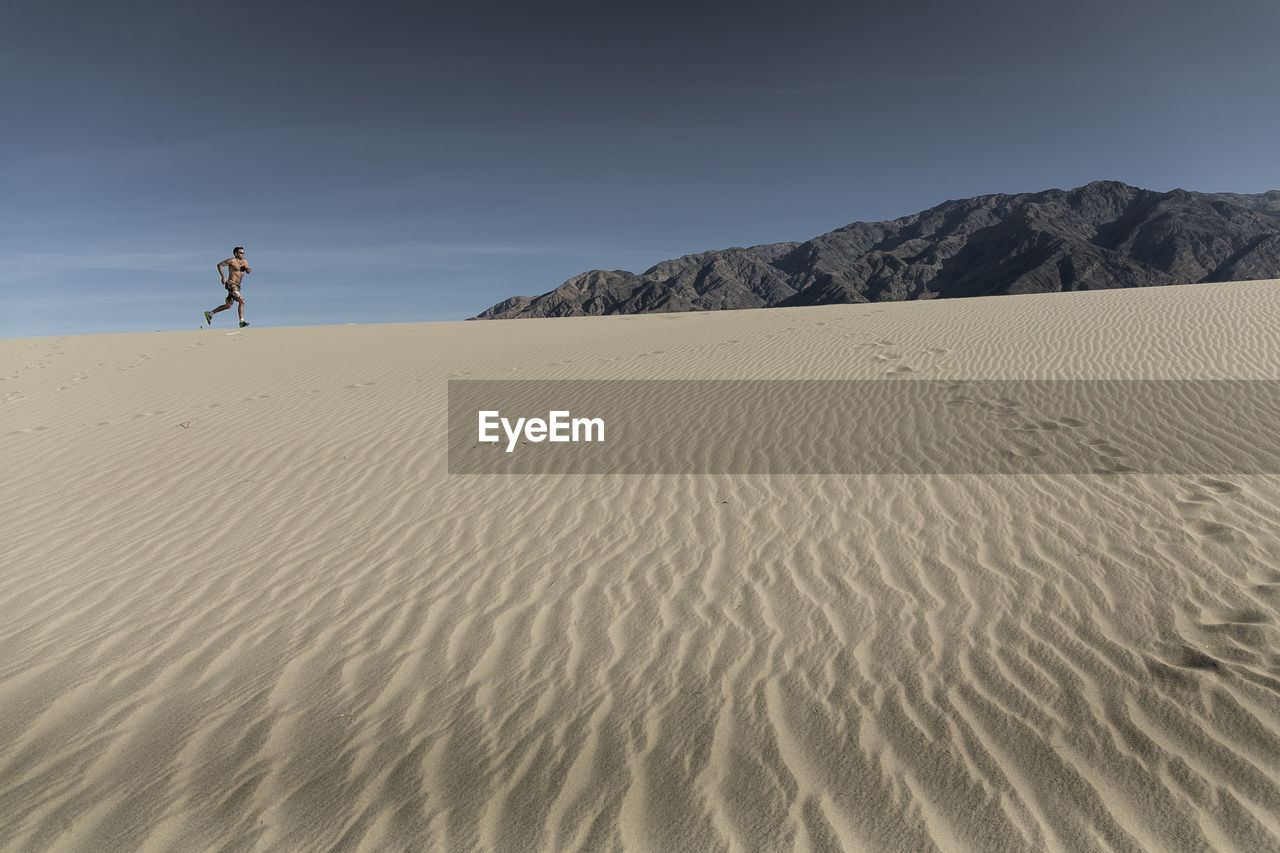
(247, 607)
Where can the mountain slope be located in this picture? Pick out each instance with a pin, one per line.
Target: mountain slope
(1103, 235)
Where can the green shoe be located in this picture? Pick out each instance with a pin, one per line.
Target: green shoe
(244, 323)
(208, 318)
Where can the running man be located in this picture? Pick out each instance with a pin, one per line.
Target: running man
(236, 270)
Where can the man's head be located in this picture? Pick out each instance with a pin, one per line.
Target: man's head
(238, 251)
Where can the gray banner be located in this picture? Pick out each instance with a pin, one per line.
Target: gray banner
(908, 426)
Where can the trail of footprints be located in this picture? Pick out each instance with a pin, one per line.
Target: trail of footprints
(79, 376)
(1220, 638)
(186, 424)
(1022, 427)
(887, 353)
(884, 352)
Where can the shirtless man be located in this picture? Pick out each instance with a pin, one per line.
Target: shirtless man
(236, 270)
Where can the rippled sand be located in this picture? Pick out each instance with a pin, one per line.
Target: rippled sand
(245, 606)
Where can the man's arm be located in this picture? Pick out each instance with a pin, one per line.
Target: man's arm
(227, 264)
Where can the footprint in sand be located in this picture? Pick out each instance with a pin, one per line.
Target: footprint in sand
(1195, 495)
(1022, 426)
(1206, 490)
(1219, 487)
(1212, 530)
(1024, 451)
(1102, 448)
(1110, 466)
(1247, 616)
(999, 407)
(1190, 658)
(1245, 626)
(1036, 426)
(1173, 673)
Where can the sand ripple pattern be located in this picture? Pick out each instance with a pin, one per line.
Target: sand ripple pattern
(274, 623)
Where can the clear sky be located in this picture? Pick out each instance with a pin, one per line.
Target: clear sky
(421, 161)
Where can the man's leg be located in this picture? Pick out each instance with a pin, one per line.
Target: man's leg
(240, 308)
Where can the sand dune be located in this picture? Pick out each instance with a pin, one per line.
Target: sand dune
(246, 607)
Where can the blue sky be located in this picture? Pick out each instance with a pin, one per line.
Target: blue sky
(413, 162)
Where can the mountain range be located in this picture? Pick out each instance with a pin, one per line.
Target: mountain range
(1103, 235)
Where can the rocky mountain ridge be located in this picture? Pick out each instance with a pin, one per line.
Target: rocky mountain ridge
(1103, 235)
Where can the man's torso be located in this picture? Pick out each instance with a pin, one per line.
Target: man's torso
(236, 271)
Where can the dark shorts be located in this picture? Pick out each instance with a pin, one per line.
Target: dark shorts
(233, 292)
